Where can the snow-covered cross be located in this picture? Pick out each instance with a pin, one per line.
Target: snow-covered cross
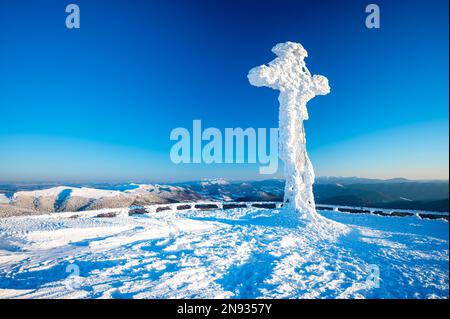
(288, 74)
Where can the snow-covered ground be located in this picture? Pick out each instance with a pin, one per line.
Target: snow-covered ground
(235, 253)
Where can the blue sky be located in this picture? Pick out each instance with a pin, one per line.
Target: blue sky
(98, 103)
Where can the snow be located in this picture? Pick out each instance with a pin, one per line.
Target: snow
(4, 199)
(216, 181)
(237, 253)
(93, 193)
(157, 189)
(84, 192)
(48, 192)
(288, 74)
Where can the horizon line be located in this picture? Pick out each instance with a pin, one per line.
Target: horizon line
(143, 181)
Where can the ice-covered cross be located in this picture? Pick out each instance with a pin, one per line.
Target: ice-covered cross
(288, 74)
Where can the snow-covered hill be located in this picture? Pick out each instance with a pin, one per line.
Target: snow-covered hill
(231, 253)
(36, 199)
(66, 198)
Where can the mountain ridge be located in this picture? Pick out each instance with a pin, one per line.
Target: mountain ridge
(349, 191)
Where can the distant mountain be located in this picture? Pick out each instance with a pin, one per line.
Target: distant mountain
(349, 191)
(384, 192)
(361, 180)
(352, 191)
(432, 205)
(68, 198)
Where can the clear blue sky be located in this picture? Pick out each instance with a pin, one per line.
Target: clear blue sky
(99, 103)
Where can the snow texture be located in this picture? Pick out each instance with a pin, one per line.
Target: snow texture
(288, 74)
(236, 253)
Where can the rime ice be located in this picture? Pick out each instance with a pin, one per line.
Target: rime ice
(288, 74)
